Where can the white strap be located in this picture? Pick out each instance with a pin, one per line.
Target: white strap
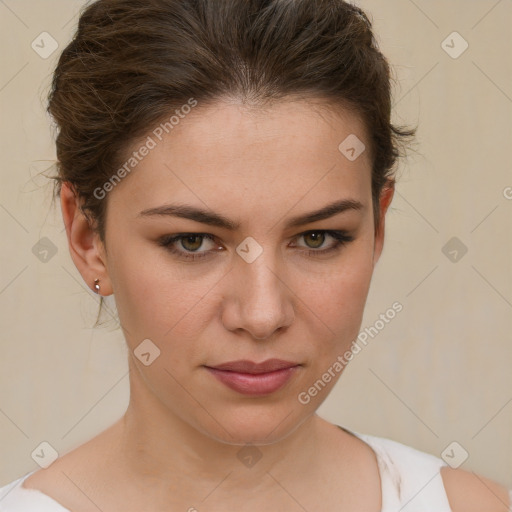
(411, 479)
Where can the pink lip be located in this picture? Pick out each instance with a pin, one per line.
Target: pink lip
(245, 366)
(255, 379)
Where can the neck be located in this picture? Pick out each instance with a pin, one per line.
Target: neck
(158, 445)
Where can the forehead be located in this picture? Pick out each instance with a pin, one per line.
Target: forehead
(227, 150)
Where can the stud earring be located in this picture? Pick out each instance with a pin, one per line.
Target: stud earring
(96, 285)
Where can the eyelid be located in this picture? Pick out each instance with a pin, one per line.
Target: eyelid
(341, 237)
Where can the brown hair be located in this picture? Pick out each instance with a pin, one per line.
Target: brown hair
(131, 63)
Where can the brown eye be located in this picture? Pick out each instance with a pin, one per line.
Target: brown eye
(192, 242)
(315, 241)
(317, 238)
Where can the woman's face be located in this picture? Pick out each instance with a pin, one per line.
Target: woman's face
(263, 286)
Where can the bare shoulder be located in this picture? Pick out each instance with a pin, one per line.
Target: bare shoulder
(53, 483)
(469, 492)
(76, 474)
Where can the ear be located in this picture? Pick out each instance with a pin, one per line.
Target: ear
(386, 196)
(85, 246)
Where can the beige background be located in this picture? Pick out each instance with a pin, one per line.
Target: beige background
(439, 372)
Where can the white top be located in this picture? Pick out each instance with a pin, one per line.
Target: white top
(411, 482)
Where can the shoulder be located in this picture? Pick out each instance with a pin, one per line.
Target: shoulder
(468, 492)
(14, 497)
(456, 490)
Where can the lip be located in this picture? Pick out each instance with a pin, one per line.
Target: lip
(256, 379)
(245, 366)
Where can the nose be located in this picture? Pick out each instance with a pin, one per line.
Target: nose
(257, 299)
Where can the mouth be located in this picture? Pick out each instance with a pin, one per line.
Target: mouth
(256, 379)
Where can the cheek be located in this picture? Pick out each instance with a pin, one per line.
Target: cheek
(160, 299)
(157, 299)
(338, 299)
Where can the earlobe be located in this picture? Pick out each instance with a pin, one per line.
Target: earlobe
(84, 243)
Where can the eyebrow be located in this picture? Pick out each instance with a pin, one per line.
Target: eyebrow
(217, 220)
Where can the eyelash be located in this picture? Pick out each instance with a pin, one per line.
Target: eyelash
(341, 238)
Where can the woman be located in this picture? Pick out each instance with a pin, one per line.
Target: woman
(225, 168)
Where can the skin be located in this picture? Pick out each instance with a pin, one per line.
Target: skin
(183, 429)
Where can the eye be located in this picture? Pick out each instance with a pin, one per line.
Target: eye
(192, 242)
(317, 238)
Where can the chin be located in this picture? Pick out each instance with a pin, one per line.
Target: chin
(254, 427)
